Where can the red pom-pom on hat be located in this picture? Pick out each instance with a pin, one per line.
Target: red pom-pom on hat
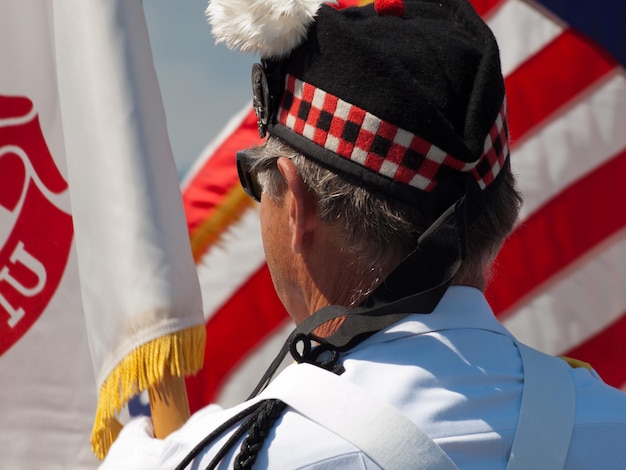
(389, 7)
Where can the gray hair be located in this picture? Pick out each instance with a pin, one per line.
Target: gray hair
(379, 230)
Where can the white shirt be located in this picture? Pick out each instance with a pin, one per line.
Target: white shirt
(455, 372)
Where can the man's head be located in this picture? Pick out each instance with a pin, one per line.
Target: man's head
(379, 230)
(390, 113)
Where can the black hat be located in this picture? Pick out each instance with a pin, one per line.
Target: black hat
(401, 95)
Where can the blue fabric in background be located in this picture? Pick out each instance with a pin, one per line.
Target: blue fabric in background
(604, 21)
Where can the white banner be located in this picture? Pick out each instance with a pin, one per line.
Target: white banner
(47, 386)
(78, 90)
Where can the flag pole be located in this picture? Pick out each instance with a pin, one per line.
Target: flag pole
(169, 405)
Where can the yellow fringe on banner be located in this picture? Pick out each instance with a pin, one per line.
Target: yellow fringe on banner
(143, 368)
(228, 212)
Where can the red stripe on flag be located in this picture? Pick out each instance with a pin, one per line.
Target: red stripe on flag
(241, 324)
(551, 78)
(565, 228)
(605, 352)
(218, 174)
(484, 7)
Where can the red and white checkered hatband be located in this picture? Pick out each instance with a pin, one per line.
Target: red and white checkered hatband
(359, 136)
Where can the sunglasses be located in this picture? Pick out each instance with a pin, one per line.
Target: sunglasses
(248, 175)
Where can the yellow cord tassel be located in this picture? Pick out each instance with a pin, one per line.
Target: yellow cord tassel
(182, 352)
(576, 363)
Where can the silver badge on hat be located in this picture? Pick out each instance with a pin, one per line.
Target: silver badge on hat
(260, 98)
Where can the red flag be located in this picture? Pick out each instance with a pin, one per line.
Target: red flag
(558, 283)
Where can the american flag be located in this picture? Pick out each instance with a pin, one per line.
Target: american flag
(559, 282)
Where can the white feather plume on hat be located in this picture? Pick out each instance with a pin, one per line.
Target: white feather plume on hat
(272, 28)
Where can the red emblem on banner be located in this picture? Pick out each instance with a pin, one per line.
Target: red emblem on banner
(35, 232)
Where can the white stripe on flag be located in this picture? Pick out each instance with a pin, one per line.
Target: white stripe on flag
(581, 139)
(521, 32)
(583, 301)
(226, 267)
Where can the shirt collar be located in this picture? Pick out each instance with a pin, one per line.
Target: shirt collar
(461, 307)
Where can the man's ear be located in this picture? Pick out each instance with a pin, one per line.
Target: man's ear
(301, 205)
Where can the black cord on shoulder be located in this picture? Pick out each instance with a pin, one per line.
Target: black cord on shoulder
(236, 436)
(263, 423)
(217, 432)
